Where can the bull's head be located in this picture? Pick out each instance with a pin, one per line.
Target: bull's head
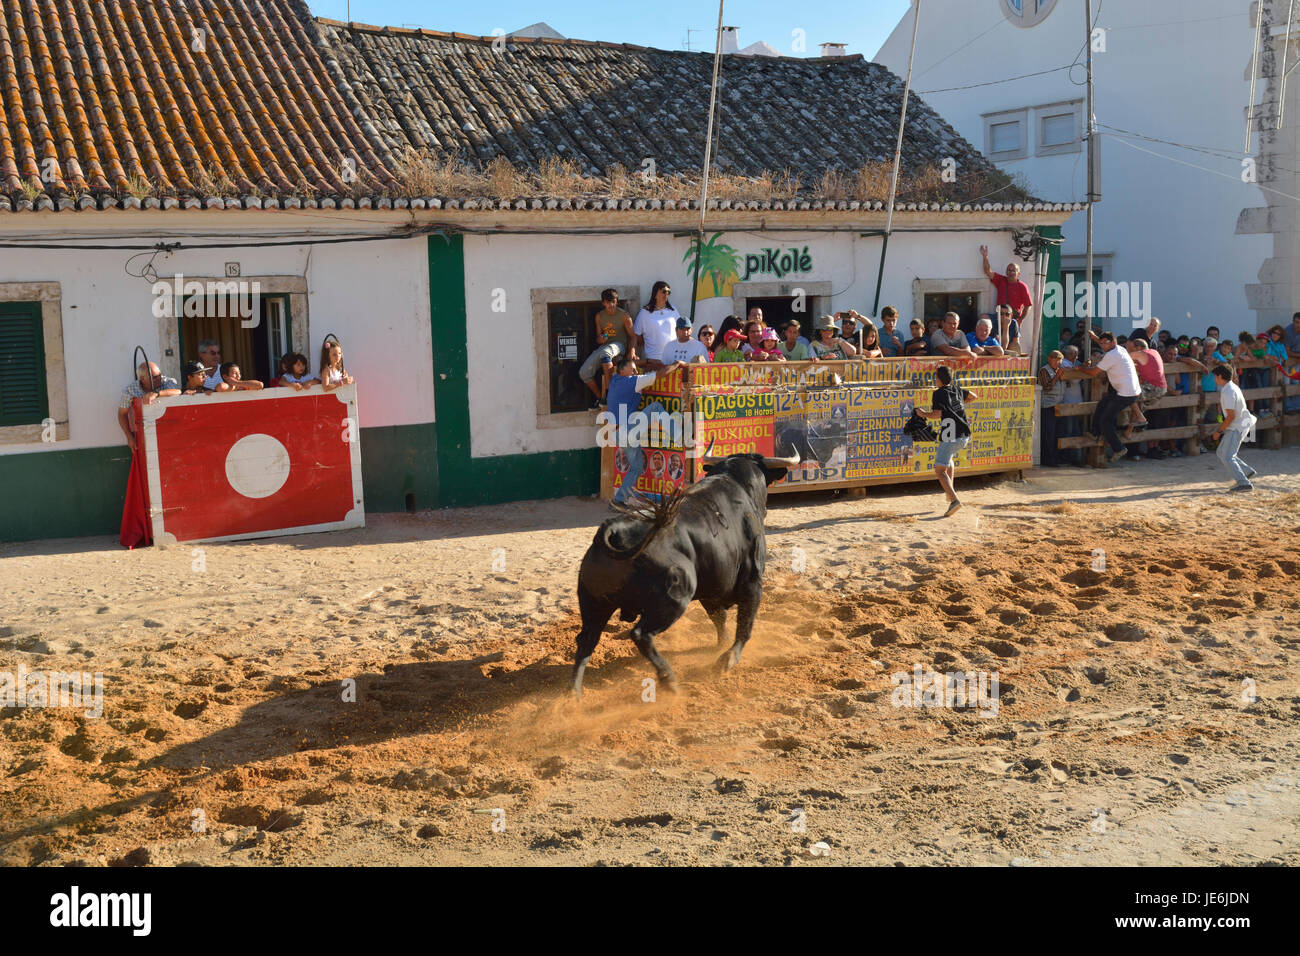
(772, 469)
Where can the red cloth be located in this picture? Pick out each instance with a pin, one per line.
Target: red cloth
(1017, 295)
(136, 530)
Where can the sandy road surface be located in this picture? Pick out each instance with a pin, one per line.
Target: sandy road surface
(1147, 713)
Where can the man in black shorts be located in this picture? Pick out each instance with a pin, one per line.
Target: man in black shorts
(948, 404)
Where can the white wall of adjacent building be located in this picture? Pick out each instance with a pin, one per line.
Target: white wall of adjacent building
(374, 296)
(1175, 70)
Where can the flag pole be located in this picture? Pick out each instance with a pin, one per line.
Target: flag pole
(708, 150)
(898, 160)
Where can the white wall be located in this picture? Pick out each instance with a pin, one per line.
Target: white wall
(502, 362)
(1163, 221)
(374, 296)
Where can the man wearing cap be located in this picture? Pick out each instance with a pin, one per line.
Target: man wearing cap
(685, 349)
(150, 385)
(1011, 290)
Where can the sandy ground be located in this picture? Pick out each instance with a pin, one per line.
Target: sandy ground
(1147, 712)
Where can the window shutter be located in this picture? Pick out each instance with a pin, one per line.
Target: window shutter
(23, 399)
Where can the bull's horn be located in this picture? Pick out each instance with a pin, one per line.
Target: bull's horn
(707, 458)
(782, 462)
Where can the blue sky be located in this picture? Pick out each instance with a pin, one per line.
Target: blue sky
(662, 23)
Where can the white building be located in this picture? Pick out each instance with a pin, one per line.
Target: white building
(464, 313)
(1172, 81)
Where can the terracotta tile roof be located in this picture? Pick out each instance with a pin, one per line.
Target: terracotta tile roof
(114, 98)
(256, 104)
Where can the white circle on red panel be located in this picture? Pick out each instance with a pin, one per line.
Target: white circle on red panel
(257, 466)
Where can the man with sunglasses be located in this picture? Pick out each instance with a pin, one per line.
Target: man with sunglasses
(149, 386)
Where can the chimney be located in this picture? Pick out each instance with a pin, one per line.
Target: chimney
(730, 40)
(833, 49)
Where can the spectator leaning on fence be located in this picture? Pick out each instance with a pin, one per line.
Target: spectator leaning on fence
(1118, 367)
(708, 338)
(1011, 338)
(210, 358)
(150, 385)
(1051, 378)
(194, 379)
(232, 379)
(826, 346)
(685, 349)
(917, 344)
(982, 341)
(730, 349)
(795, 346)
(948, 340)
(1291, 338)
(1071, 426)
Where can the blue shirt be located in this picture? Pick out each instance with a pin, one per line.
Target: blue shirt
(976, 343)
(891, 345)
(624, 395)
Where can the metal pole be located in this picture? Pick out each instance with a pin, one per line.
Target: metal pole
(1286, 48)
(708, 157)
(1254, 72)
(1092, 141)
(898, 158)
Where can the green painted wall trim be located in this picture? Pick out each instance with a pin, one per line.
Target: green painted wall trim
(1051, 333)
(63, 494)
(396, 461)
(464, 480)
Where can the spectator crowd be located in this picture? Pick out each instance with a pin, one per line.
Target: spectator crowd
(208, 375)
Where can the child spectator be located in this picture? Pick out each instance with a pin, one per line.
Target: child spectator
(730, 351)
(232, 379)
(332, 372)
(297, 376)
(282, 370)
(917, 344)
(870, 343)
(193, 377)
(767, 350)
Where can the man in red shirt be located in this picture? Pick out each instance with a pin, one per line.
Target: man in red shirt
(1012, 292)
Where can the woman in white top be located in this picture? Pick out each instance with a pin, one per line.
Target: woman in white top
(656, 324)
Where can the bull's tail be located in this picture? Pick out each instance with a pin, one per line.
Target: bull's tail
(624, 540)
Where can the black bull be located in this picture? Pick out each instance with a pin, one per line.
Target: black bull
(713, 551)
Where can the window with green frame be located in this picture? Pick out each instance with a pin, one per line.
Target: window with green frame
(23, 396)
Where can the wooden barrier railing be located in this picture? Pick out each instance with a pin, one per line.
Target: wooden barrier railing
(1197, 403)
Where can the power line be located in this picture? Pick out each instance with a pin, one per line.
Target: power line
(1009, 79)
(1204, 169)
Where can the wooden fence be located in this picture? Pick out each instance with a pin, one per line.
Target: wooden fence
(1270, 427)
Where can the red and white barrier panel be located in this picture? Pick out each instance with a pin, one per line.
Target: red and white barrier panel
(253, 464)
